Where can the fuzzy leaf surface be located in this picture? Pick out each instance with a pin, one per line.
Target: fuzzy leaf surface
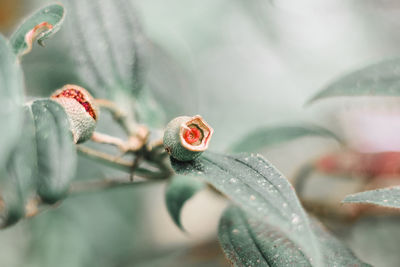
(247, 241)
(259, 188)
(11, 99)
(106, 42)
(19, 175)
(386, 197)
(274, 135)
(56, 152)
(380, 79)
(35, 27)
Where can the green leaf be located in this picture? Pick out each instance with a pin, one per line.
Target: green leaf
(381, 79)
(180, 190)
(17, 179)
(250, 243)
(41, 25)
(274, 135)
(259, 188)
(387, 197)
(11, 99)
(106, 42)
(247, 241)
(334, 251)
(56, 153)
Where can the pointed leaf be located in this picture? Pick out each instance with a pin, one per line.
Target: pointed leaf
(39, 26)
(180, 190)
(247, 241)
(387, 197)
(274, 135)
(259, 188)
(105, 38)
(11, 99)
(381, 79)
(56, 153)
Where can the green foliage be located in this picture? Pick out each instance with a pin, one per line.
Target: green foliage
(248, 241)
(274, 135)
(56, 153)
(52, 14)
(253, 243)
(106, 42)
(19, 174)
(259, 188)
(381, 79)
(43, 160)
(180, 190)
(99, 230)
(11, 115)
(387, 197)
(11, 98)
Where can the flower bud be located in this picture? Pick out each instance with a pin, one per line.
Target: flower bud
(81, 110)
(185, 138)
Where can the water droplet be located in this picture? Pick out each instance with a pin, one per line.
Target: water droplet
(295, 218)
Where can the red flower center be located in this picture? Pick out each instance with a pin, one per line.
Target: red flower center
(193, 135)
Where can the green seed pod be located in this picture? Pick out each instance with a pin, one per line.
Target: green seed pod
(185, 138)
(81, 110)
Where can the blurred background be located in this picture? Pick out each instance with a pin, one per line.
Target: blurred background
(241, 64)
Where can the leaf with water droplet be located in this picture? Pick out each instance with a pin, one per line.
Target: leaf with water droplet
(264, 200)
(179, 191)
(249, 241)
(387, 197)
(274, 135)
(380, 79)
(39, 26)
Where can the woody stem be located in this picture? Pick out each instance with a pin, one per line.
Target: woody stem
(121, 164)
(118, 115)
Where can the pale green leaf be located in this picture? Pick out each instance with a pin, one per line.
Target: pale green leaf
(248, 241)
(380, 79)
(11, 113)
(259, 188)
(106, 42)
(41, 25)
(180, 190)
(11, 99)
(19, 175)
(56, 153)
(387, 197)
(274, 135)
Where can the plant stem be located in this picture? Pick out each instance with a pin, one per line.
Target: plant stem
(118, 115)
(83, 187)
(110, 140)
(112, 161)
(121, 164)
